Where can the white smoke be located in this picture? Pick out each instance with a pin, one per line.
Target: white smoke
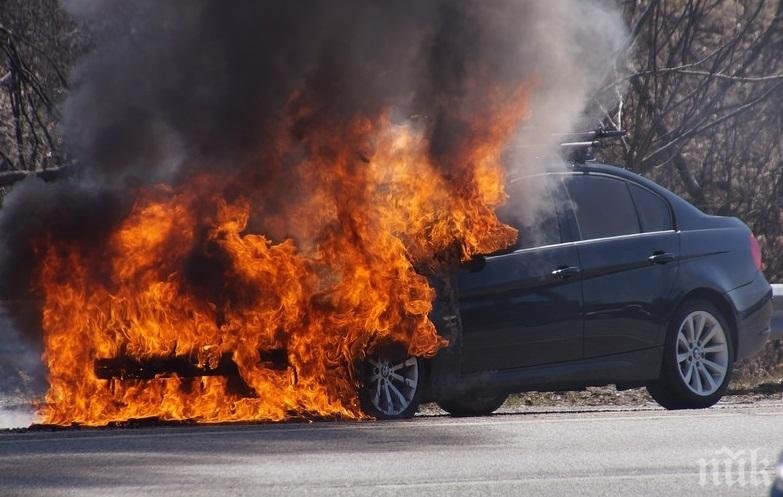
(576, 45)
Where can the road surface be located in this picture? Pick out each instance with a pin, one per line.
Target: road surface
(603, 452)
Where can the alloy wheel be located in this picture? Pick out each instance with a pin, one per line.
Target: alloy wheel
(702, 353)
(392, 383)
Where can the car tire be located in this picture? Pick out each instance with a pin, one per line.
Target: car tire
(392, 382)
(476, 405)
(698, 357)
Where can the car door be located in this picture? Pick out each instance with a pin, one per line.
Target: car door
(628, 253)
(523, 307)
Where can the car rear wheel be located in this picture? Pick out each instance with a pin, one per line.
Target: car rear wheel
(392, 382)
(476, 405)
(698, 357)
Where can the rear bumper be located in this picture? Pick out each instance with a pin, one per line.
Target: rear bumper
(777, 313)
(753, 311)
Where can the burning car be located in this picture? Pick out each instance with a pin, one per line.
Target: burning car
(618, 281)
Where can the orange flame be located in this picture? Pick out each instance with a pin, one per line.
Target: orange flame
(184, 273)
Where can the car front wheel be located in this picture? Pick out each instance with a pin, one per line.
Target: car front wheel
(698, 357)
(392, 382)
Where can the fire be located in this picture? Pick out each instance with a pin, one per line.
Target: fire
(193, 269)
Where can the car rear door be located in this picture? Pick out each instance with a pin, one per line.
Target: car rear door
(628, 252)
(523, 307)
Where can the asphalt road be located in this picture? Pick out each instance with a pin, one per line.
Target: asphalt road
(611, 452)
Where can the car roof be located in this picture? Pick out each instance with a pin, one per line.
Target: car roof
(591, 167)
(686, 213)
(595, 167)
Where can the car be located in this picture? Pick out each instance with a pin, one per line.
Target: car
(614, 280)
(777, 485)
(777, 313)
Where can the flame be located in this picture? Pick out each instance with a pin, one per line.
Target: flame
(188, 272)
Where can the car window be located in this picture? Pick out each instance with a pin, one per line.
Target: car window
(653, 212)
(603, 207)
(531, 209)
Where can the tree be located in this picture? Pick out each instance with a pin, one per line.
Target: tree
(38, 43)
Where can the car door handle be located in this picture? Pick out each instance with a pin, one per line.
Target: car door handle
(661, 257)
(565, 272)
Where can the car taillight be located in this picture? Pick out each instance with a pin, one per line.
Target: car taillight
(755, 251)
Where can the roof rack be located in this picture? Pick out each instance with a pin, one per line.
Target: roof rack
(579, 146)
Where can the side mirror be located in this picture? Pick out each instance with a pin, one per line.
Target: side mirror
(475, 263)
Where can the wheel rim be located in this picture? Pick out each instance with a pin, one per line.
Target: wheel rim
(702, 353)
(392, 383)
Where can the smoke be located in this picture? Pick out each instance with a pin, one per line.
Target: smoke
(171, 89)
(183, 85)
(577, 45)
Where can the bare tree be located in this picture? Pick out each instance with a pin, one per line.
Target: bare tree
(37, 45)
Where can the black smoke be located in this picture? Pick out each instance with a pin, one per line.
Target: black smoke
(189, 84)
